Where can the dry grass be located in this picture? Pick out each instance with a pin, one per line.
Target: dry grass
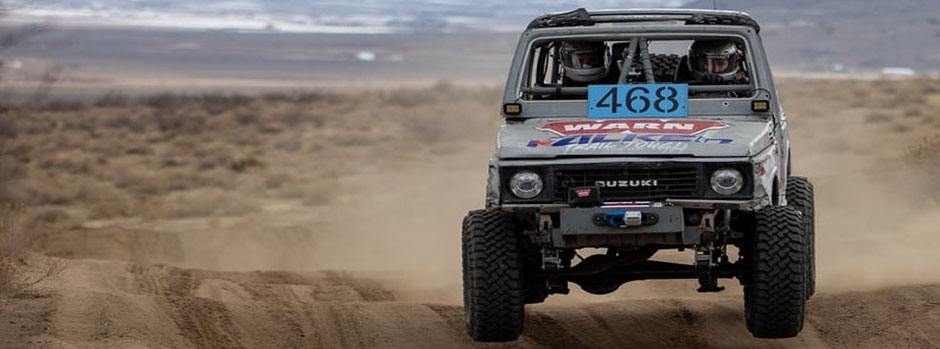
(16, 273)
(926, 156)
(173, 157)
(119, 157)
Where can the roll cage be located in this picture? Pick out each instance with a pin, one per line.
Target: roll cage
(636, 27)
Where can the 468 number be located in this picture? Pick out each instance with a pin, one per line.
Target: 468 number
(637, 100)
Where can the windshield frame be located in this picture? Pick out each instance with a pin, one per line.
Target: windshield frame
(758, 70)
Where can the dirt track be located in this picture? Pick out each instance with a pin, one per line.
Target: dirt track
(373, 270)
(161, 306)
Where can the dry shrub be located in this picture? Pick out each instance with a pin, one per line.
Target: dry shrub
(50, 215)
(13, 238)
(104, 202)
(16, 276)
(216, 104)
(8, 127)
(211, 158)
(11, 170)
(46, 190)
(248, 117)
(316, 192)
(163, 101)
(62, 105)
(298, 114)
(913, 112)
(204, 203)
(66, 163)
(181, 120)
(242, 164)
(277, 180)
(143, 183)
(925, 158)
(124, 121)
(926, 155)
(931, 87)
(878, 117)
(112, 99)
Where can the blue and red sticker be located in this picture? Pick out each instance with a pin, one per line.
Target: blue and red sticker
(629, 130)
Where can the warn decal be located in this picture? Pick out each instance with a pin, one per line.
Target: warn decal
(634, 126)
(602, 139)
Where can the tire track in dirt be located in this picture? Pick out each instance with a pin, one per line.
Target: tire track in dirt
(322, 310)
(172, 307)
(368, 290)
(901, 318)
(206, 323)
(547, 332)
(688, 338)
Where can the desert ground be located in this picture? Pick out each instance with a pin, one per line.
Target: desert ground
(331, 220)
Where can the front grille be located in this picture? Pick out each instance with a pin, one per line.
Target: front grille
(671, 183)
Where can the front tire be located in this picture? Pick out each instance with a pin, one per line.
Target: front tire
(775, 290)
(800, 197)
(493, 277)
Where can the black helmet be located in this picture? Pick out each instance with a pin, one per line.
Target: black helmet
(714, 60)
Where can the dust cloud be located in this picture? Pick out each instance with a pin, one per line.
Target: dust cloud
(322, 221)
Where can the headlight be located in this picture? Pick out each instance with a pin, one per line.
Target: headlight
(525, 184)
(727, 181)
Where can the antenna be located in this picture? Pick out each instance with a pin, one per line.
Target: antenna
(714, 4)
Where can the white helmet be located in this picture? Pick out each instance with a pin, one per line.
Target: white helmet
(714, 60)
(584, 61)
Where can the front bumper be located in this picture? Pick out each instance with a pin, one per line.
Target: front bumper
(591, 220)
(586, 227)
(760, 172)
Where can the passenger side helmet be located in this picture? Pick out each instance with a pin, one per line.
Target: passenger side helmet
(584, 61)
(714, 60)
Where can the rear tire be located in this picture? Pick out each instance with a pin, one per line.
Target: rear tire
(493, 277)
(800, 197)
(775, 290)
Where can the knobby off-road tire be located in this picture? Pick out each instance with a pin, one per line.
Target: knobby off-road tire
(775, 290)
(800, 197)
(664, 66)
(493, 279)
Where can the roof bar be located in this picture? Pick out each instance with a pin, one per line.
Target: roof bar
(575, 91)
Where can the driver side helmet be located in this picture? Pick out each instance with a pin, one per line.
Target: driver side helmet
(584, 61)
(714, 60)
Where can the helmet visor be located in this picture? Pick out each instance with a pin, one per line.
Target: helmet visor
(717, 65)
(584, 59)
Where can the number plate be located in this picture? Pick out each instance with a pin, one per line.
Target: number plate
(638, 101)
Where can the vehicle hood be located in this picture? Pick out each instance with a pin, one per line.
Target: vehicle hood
(572, 137)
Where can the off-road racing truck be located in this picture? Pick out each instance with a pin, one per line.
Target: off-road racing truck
(647, 158)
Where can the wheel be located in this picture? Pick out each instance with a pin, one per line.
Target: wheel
(494, 289)
(800, 197)
(775, 290)
(664, 66)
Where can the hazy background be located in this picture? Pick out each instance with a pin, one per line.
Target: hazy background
(252, 45)
(286, 174)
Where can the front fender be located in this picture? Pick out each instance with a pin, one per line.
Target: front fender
(766, 168)
(492, 185)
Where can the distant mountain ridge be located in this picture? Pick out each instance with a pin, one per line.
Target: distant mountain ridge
(804, 35)
(375, 16)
